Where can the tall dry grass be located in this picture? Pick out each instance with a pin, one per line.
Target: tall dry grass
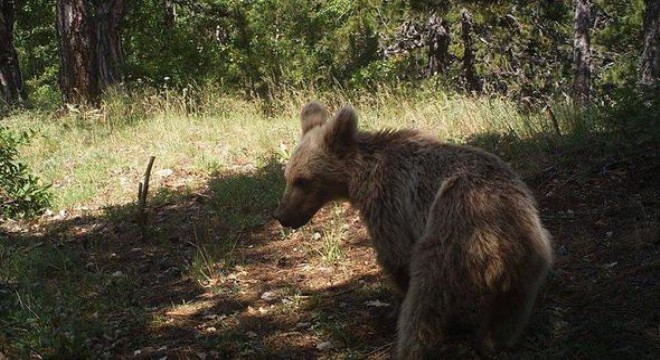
(96, 157)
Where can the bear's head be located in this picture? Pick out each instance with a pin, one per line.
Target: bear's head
(318, 170)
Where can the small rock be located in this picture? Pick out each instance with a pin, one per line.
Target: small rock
(164, 172)
(377, 303)
(117, 274)
(61, 215)
(326, 345)
(610, 265)
(316, 236)
(269, 296)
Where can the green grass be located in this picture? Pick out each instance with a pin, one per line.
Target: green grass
(97, 157)
(214, 254)
(59, 318)
(328, 243)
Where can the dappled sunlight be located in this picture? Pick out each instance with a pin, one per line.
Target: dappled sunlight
(213, 275)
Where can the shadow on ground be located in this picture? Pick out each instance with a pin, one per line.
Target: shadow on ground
(90, 285)
(600, 199)
(216, 278)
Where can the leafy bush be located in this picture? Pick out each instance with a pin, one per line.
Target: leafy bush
(21, 195)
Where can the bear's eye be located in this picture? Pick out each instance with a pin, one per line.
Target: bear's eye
(301, 183)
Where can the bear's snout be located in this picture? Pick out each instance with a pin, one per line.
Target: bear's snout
(287, 220)
(277, 214)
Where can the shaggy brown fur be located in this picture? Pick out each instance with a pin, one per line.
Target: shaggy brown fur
(455, 227)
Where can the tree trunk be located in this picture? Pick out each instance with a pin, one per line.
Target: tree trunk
(473, 81)
(582, 52)
(438, 43)
(170, 14)
(78, 75)
(11, 82)
(109, 14)
(649, 64)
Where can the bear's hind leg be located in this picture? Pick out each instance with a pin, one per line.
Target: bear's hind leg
(416, 331)
(507, 316)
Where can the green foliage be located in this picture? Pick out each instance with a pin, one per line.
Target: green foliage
(35, 39)
(253, 46)
(263, 48)
(21, 195)
(617, 44)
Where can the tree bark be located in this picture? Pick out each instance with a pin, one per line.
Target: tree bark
(469, 71)
(438, 43)
(582, 52)
(649, 64)
(11, 81)
(78, 75)
(109, 14)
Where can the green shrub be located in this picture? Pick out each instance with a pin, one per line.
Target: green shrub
(21, 195)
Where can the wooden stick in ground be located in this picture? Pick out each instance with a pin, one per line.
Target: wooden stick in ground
(142, 196)
(145, 187)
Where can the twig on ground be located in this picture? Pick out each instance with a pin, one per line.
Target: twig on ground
(378, 350)
(339, 293)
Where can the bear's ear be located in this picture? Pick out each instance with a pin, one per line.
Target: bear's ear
(312, 115)
(342, 129)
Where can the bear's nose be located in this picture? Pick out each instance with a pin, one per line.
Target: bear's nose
(277, 214)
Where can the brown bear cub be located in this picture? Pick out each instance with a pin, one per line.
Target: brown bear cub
(453, 225)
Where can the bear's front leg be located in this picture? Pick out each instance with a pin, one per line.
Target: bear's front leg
(399, 276)
(394, 261)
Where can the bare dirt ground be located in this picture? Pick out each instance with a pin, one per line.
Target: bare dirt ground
(185, 291)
